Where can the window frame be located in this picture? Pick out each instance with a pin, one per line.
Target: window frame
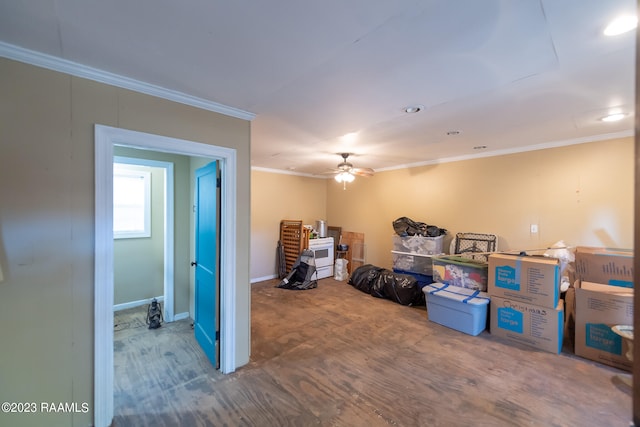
(125, 170)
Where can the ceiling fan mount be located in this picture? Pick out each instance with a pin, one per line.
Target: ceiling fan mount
(346, 166)
(345, 172)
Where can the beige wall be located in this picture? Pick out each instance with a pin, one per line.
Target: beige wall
(275, 197)
(582, 194)
(47, 225)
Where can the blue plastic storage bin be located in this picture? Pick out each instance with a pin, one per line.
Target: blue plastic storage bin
(462, 309)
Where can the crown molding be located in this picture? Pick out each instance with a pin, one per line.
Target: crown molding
(286, 172)
(78, 70)
(543, 146)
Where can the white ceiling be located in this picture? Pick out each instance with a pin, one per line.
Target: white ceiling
(508, 74)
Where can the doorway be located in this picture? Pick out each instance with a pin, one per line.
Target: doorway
(167, 228)
(105, 139)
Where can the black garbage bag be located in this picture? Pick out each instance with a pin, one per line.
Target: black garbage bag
(383, 283)
(404, 226)
(301, 276)
(364, 277)
(400, 288)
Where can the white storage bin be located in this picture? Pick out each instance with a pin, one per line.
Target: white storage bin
(418, 244)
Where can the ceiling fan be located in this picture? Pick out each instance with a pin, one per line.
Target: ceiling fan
(345, 172)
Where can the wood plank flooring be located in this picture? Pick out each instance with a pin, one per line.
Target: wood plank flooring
(334, 356)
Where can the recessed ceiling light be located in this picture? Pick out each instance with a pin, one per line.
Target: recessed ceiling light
(411, 109)
(613, 117)
(621, 25)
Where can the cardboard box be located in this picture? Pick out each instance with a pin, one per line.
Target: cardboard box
(599, 308)
(456, 270)
(531, 279)
(462, 309)
(612, 267)
(532, 325)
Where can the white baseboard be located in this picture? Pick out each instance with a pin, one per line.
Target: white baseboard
(181, 316)
(126, 305)
(262, 279)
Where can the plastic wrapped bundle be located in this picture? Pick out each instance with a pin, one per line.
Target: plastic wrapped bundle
(383, 283)
(364, 277)
(302, 273)
(401, 288)
(404, 226)
(340, 269)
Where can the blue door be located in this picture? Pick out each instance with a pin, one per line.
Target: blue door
(205, 324)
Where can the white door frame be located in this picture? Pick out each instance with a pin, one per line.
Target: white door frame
(105, 139)
(168, 227)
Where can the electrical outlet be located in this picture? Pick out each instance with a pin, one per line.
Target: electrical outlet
(534, 228)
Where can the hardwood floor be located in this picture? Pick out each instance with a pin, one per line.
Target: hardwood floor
(334, 356)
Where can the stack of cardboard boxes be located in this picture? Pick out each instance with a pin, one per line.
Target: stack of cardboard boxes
(602, 297)
(525, 300)
(526, 305)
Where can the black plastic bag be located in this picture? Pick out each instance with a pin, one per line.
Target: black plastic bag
(400, 288)
(382, 283)
(404, 226)
(364, 277)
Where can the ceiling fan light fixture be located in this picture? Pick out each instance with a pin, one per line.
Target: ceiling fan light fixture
(345, 177)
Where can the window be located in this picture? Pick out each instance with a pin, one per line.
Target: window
(131, 202)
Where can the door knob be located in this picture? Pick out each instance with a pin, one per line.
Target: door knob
(194, 264)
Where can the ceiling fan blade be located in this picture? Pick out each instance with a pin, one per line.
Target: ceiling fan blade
(330, 172)
(362, 171)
